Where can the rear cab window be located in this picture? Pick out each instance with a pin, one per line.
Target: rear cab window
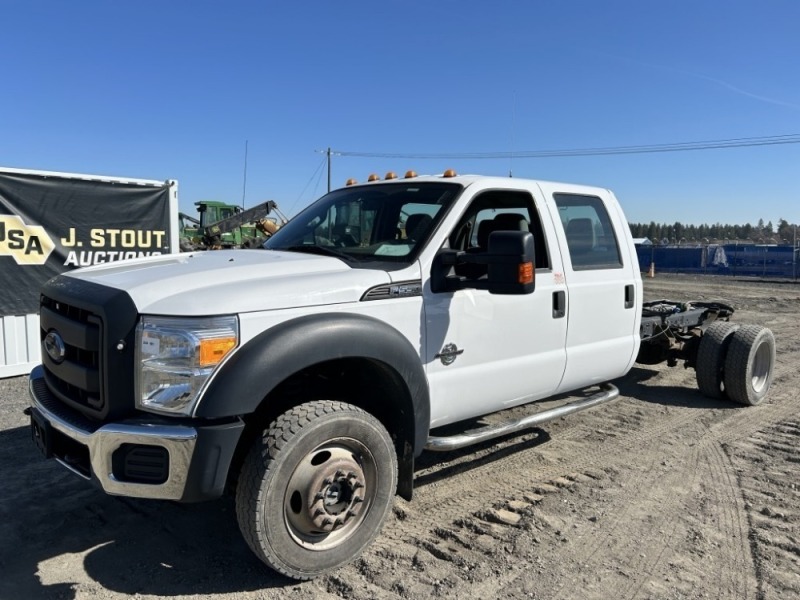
(591, 239)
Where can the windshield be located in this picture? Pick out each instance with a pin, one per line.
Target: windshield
(387, 222)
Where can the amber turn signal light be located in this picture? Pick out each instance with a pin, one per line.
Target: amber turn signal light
(212, 351)
(525, 273)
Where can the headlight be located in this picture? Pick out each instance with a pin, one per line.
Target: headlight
(175, 358)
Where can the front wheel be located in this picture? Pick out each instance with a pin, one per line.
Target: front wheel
(315, 488)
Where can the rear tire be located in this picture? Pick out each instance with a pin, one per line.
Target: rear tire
(711, 358)
(316, 487)
(750, 365)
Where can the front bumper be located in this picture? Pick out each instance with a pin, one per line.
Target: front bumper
(191, 460)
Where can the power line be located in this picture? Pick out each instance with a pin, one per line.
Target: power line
(310, 179)
(643, 149)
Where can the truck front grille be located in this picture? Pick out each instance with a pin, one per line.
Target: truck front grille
(75, 376)
(92, 330)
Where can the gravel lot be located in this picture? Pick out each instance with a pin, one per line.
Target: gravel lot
(661, 494)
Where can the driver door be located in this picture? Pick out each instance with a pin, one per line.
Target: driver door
(486, 352)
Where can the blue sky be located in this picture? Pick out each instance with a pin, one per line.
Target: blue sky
(174, 89)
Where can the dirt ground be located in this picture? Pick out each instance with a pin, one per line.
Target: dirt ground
(660, 494)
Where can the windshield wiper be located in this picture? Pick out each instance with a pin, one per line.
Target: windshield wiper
(322, 250)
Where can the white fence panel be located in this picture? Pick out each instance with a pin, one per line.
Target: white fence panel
(19, 345)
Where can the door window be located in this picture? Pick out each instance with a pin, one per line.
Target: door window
(591, 239)
(500, 210)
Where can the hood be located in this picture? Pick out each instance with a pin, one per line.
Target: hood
(233, 281)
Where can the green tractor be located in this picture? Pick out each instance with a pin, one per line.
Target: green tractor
(224, 225)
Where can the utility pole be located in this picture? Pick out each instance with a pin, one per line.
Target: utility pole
(244, 182)
(328, 153)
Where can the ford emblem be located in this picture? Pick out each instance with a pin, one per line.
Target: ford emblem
(54, 346)
(449, 354)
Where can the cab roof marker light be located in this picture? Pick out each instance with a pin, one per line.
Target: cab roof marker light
(391, 175)
(373, 177)
(410, 174)
(449, 173)
(351, 181)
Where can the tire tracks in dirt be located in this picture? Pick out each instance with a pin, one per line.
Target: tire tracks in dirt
(445, 522)
(774, 541)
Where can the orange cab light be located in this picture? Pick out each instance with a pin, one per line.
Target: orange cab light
(351, 181)
(391, 175)
(525, 273)
(449, 173)
(373, 177)
(410, 174)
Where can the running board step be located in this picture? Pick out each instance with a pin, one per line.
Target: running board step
(462, 440)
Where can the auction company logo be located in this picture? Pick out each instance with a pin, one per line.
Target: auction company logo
(27, 244)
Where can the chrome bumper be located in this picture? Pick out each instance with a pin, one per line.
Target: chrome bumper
(102, 440)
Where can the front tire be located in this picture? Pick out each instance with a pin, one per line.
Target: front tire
(316, 487)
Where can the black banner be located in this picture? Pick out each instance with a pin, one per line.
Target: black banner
(50, 224)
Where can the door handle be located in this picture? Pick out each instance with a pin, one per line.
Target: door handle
(559, 304)
(629, 301)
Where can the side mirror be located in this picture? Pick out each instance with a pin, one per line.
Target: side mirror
(511, 262)
(509, 266)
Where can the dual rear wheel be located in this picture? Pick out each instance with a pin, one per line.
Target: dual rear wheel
(736, 362)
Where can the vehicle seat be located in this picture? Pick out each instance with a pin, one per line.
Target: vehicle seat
(343, 236)
(417, 226)
(580, 236)
(484, 229)
(509, 222)
(501, 222)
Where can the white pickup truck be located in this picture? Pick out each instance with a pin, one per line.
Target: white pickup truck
(378, 315)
